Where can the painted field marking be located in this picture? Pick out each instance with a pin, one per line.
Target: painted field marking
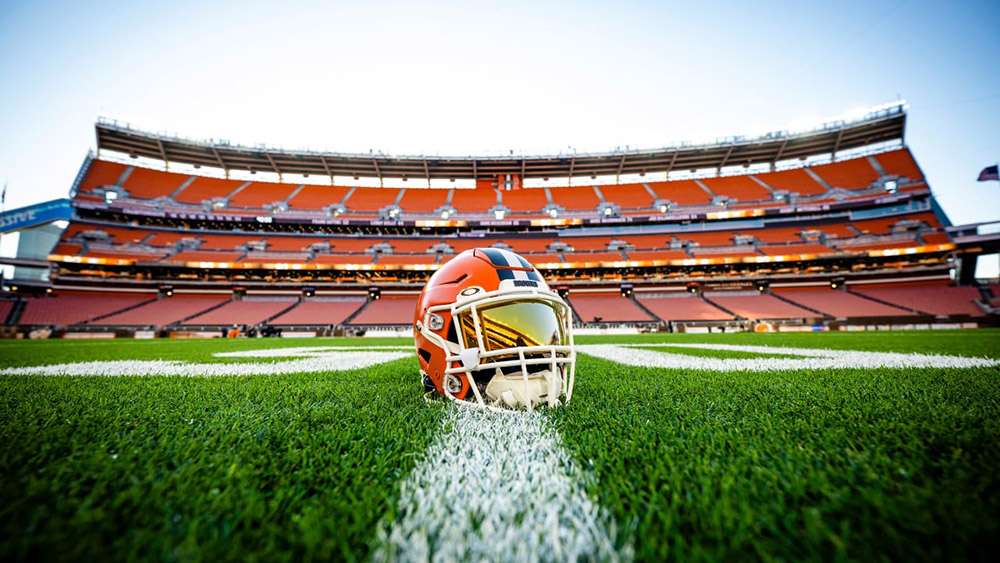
(497, 487)
(311, 360)
(811, 358)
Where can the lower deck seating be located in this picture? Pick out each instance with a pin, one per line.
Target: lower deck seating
(74, 308)
(5, 307)
(164, 311)
(839, 304)
(608, 307)
(389, 310)
(682, 307)
(757, 306)
(320, 311)
(249, 310)
(935, 298)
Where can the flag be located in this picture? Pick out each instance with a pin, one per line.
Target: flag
(989, 173)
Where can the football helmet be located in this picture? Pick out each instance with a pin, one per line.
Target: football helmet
(490, 332)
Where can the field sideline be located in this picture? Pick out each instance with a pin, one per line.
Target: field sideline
(786, 462)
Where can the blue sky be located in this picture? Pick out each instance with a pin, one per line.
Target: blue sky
(470, 77)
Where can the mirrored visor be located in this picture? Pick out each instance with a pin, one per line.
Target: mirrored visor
(514, 324)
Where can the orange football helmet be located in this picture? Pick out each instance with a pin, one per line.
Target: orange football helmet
(489, 331)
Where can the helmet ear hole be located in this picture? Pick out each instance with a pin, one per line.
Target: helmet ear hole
(423, 353)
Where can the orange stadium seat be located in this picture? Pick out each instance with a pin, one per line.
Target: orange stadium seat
(119, 235)
(711, 238)
(785, 249)
(67, 249)
(101, 173)
(649, 241)
(628, 196)
(651, 255)
(900, 163)
(203, 256)
(478, 200)
(423, 200)
(340, 259)
(608, 307)
(854, 174)
(935, 298)
(125, 254)
(371, 199)
(682, 307)
(756, 306)
(389, 310)
(169, 239)
(536, 259)
(578, 257)
(352, 244)
(249, 310)
(795, 180)
(225, 242)
(203, 189)
(291, 244)
(838, 303)
(317, 197)
(526, 245)
(776, 234)
(259, 194)
(146, 183)
(740, 188)
(320, 311)
(681, 192)
(936, 238)
(164, 311)
(414, 245)
(404, 259)
(525, 200)
(587, 243)
(577, 198)
(67, 308)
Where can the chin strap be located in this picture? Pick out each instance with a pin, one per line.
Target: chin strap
(514, 392)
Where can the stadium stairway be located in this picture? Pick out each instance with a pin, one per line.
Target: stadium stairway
(350, 318)
(199, 313)
(819, 313)
(14, 315)
(721, 308)
(122, 310)
(651, 314)
(887, 303)
(283, 311)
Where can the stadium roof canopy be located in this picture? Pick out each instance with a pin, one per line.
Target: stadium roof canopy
(882, 124)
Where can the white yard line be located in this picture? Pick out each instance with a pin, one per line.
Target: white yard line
(812, 358)
(327, 361)
(496, 487)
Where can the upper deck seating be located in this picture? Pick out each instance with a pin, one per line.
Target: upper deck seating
(291, 244)
(525, 200)
(67, 249)
(249, 310)
(473, 201)
(536, 259)
(582, 244)
(146, 183)
(608, 307)
(317, 197)
(423, 200)
(259, 194)
(579, 257)
(576, 198)
(900, 163)
(836, 303)
(371, 200)
(164, 311)
(204, 256)
(681, 192)
(206, 189)
(404, 259)
(117, 235)
(628, 196)
(101, 173)
(6, 305)
(853, 174)
(776, 235)
(654, 255)
(341, 259)
(320, 311)
(740, 188)
(67, 308)
(795, 180)
(680, 306)
(936, 298)
(787, 249)
(389, 310)
(757, 306)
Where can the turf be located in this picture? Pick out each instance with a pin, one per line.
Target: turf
(264, 468)
(838, 464)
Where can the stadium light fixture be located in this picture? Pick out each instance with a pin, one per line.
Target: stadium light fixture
(608, 211)
(499, 214)
(891, 186)
(664, 208)
(308, 291)
(374, 294)
(553, 213)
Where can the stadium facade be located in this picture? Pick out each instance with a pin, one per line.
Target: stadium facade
(835, 227)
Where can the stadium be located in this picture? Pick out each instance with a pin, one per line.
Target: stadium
(479, 342)
(831, 228)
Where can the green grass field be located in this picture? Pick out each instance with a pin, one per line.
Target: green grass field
(824, 464)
